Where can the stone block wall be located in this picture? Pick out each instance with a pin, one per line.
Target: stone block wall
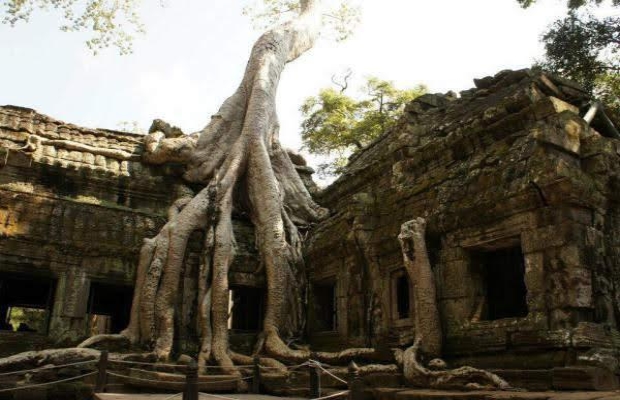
(75, 205)
(509, 169)
(519, 193)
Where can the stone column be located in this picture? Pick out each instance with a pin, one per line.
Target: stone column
(69, 315)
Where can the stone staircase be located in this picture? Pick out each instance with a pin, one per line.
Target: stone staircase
(425, 394)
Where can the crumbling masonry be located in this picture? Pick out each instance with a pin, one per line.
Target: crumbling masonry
(519, 194)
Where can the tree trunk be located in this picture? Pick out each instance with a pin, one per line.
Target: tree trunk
(237, 158)
(426, 313)
(428, 334)
(237, 155)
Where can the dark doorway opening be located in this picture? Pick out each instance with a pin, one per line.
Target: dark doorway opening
(109, 307)
(26, 303)
(246, 308)
(503, 271)
(325, 312)
(402, 297)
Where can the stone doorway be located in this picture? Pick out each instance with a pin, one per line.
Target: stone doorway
(401, 300)
(325, 311)
(246, 308)
(26, 303)
(109, 307)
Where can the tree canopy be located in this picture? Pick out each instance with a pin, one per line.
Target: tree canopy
(111, 23)
(339, 19)
(336, 124)
(586, 49)
(572, 4)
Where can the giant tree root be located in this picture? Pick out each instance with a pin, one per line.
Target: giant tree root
(37, 359)
(266, 363)
(367, 369)
(353, 354)
(105, 341)
(463, 378)
(412, 239)
(427, 323)
(235, 162)
(436, 377)
(239, 163)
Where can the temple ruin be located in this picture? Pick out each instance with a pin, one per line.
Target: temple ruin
(519, 195)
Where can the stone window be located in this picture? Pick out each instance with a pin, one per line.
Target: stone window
(109, 307)
(503, 273)
(401, 295)
(325, 303)
(246, 308)
(59, 181)
(25, 303)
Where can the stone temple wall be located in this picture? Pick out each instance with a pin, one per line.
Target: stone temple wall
(519, 192)
(521, 199)
(75, 205)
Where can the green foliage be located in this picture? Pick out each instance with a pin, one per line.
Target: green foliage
(113, 23)
(335, 124)
(265, 13)
(587, 50)
(32, 318)
(339, 20)
(572, 4)
(608, 86)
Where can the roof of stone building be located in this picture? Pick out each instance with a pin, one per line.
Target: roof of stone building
(18, 123)
(434, 119)
(486, 103)
(12, 115)
(46, 140)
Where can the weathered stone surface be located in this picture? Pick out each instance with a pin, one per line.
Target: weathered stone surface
(509, 165)
(584, 378)
(391, 394)
(533, 379)
(75, 209)
(521, 198)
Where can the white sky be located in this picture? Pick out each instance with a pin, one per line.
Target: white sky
(194, 52)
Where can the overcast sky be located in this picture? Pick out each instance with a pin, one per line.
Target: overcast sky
(194, 52)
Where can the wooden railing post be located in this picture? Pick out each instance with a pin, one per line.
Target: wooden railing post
(256, 376)
(356, 386)
(191, 381)
(102, 376)
(315, 382)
